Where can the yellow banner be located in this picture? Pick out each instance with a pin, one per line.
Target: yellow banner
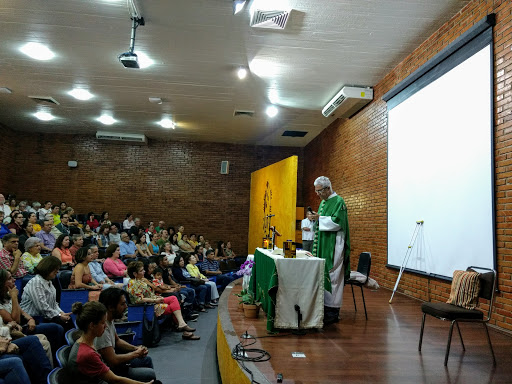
(273, 192)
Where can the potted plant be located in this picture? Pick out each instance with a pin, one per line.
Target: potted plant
(240, 301)
(251, 306)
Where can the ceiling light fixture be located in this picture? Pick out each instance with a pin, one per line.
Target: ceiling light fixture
(167, 123)
(271, 111)
(238, 5)
(81, 94)
(107, 119)
(44, 116)
(37, 51)
(242, 73)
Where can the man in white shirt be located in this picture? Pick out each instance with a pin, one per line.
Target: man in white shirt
(308, 235)
(114, 235)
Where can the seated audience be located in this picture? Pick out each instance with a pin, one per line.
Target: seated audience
(206, 247)
(82, 277)
(228, 251)
(62, 207)
(171, 232)
(167, 250)
(12, 314)
(160, 287)
(184, 245)
(61, 251)
(200, 240)
(56, 215)
(161, 225)
(202, 290)
(137, 229)
(92, 221)
(32, 219)
(219, 251)
(55, 231)
(78, 242)
(199, 253)
(141, 292)
(84, 362)
(4, 208)
(23, 206)
(10, 256)
(174, 243)
(181, 231)
(114, 236)
(27, 233)
(63, 226)
(97, 272)
(142, 246)
(121, 357)
(127, 247)
(39, 297)
(150, 230)
(32, 255)
(47, 209)
(192, 240)
(164, 237)
(16, 223)
(4, 229)
(23, 361)
(73, 222)
(36, 206)
(191, 267)
(104, 219)
(88, 232)
(210, 267)
(12, 202)
(103, 238)
(128, 223)
(47, 238)
(153, 246)
(113, 266)
(168, 279)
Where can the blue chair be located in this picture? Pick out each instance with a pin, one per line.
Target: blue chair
(54, 376)
(136, 316)
(63, 355)
(70, 296)
(126, 330)
(72, 335)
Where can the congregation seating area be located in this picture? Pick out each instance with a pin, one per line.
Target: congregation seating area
(169, 277)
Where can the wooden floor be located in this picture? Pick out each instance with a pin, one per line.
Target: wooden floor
(382, 349)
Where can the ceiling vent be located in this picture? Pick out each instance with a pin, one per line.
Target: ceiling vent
(295, 133)
(348, 102)
(44, 100)
(238, 112)
(116, 136)
(270, 19)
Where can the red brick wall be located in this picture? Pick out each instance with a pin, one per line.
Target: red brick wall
(357, 161)
(6, 168)
(179, 182)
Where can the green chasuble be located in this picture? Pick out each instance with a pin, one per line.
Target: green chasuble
(325, 241)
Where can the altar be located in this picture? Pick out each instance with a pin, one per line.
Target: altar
(280, 284)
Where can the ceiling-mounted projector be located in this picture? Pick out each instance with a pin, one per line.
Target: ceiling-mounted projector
(129, 60)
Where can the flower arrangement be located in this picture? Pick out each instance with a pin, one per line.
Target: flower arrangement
(246, 268)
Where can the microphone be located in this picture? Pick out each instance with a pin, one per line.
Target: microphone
(270, 216)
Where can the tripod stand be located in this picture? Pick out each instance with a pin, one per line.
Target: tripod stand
(419, 224)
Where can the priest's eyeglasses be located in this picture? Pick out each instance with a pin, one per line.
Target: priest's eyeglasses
(321, 190)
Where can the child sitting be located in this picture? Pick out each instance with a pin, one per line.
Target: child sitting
(158, 282)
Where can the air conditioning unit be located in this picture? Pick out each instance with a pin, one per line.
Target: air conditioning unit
(117, 136)
(348, 102)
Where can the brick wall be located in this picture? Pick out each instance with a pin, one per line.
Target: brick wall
(179, 182)
(357, 162)
(8, 151)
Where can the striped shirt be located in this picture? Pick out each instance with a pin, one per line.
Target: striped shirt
(39, 298)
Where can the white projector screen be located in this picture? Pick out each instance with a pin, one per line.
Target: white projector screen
(440, 170)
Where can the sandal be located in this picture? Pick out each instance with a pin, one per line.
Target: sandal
(186, 328)
(209, 306)
(190, 336)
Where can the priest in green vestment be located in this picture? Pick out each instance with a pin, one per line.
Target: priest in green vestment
(332, 243)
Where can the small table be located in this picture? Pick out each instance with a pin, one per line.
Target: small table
(280, 284)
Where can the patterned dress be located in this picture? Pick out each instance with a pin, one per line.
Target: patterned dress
(138, 290)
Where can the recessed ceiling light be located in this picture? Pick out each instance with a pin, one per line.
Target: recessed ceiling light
(271, 111)
(167, 123)
(37, 51)
(106, 119)
(44, 116)
(273, 96)
(81, 94)
(238, 5)
(242, 73)
(144, 60)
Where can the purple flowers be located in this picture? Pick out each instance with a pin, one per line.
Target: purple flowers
(246, 268)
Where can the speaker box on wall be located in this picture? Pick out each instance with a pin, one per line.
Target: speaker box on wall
(224, 167)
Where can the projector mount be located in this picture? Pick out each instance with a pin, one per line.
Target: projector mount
(129, 59)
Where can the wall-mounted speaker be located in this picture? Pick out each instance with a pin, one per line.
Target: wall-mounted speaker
(224, 167)
(72, 164)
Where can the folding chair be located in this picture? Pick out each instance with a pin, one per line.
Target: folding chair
(363, 267)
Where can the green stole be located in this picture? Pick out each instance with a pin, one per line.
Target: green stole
(325, 241)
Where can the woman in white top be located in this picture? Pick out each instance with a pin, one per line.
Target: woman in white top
(128, 223)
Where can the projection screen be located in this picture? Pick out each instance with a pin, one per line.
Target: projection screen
(440, 170)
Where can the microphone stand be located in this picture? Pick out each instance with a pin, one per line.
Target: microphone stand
(299, 332)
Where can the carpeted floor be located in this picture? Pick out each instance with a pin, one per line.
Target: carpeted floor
(179, 361)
